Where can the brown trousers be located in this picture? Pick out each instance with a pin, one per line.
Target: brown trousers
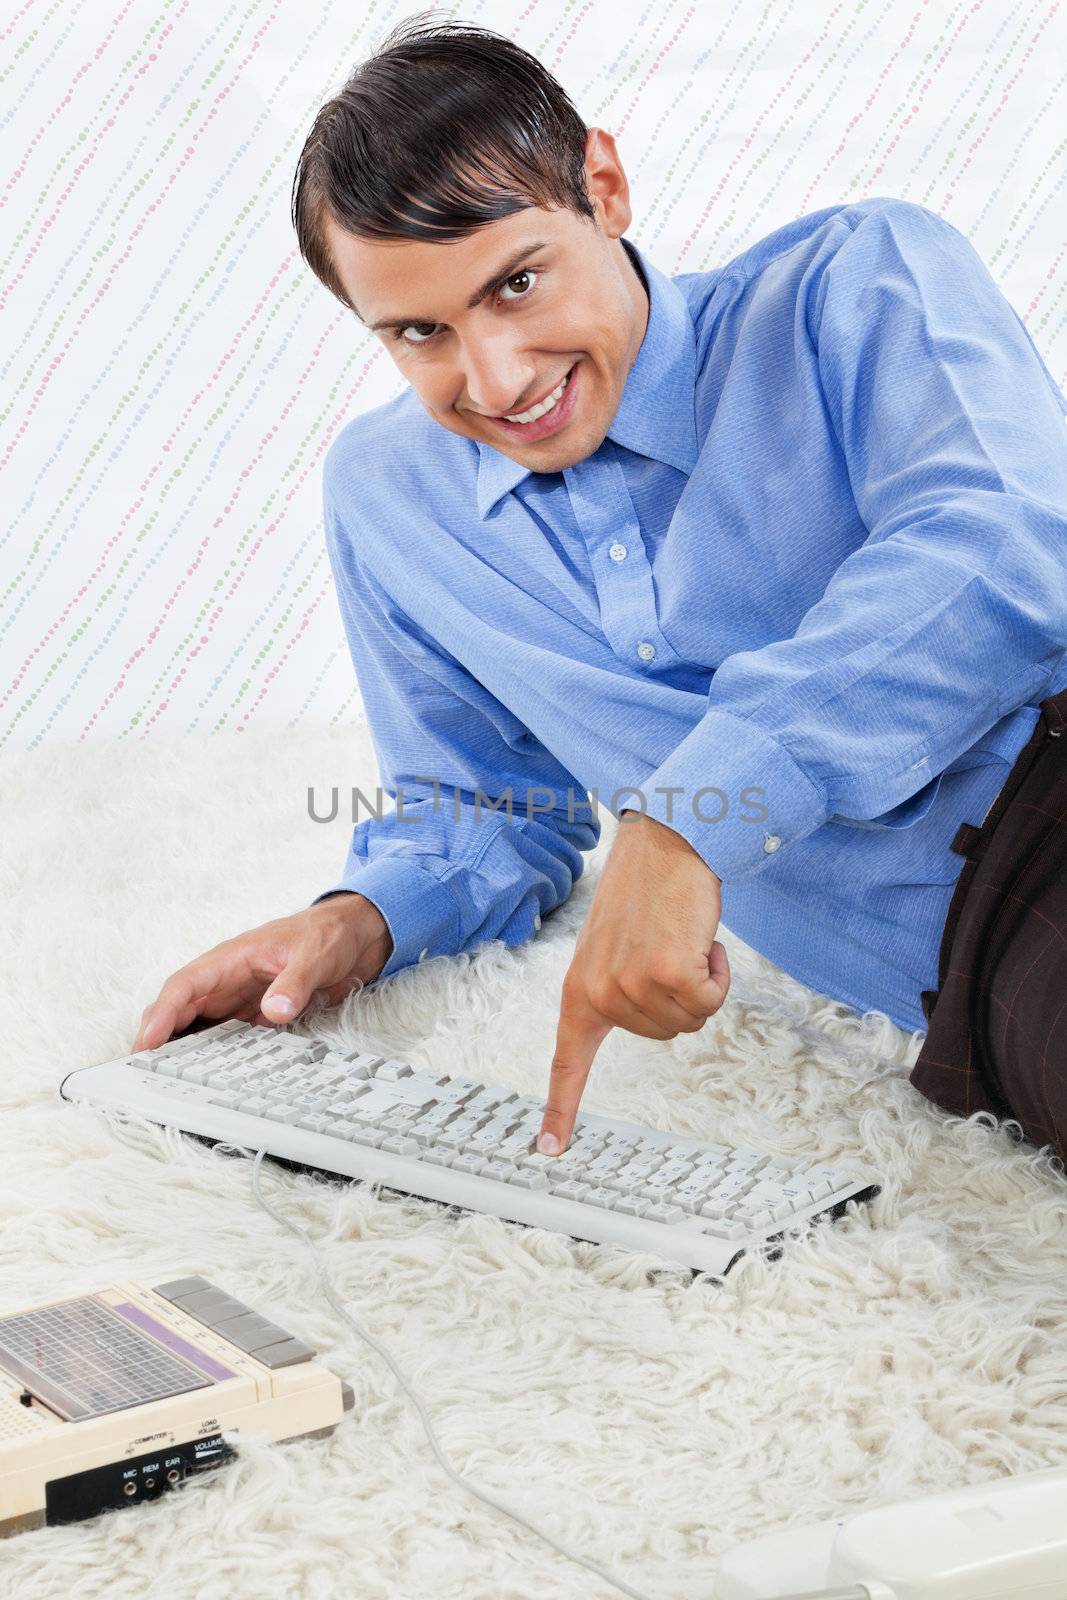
(997, 1036)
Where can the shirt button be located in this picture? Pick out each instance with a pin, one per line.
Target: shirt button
(537, 921)
(424, 953)
(617, 552)
(771, 842)
(645, 650)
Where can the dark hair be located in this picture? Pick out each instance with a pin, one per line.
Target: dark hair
(444, 128)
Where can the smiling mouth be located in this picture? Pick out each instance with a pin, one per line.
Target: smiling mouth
(540, 408)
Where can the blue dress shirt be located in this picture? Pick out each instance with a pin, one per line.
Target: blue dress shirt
(805, 598)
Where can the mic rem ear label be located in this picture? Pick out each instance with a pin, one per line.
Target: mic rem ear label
(80, 1495)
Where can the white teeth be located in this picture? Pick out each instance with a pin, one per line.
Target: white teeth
(545, 405)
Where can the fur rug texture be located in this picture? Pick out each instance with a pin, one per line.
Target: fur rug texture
(647, 1420)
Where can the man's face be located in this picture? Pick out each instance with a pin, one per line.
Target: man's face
(571, 307)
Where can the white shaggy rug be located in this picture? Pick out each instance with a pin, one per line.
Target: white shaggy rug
(649, 1421)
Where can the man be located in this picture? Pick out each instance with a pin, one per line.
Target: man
(773, 555)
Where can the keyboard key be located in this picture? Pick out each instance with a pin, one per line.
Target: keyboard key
(454, 1137)
(662, 1213)
(254, 1106)
(392, 1071)
(366, 1133)
(373, 1105)
(343, 1103)
(355, 1058)
(536, 1162)
(767, 1192)
(636, 1173)
(420, 1083)
(605, 1165)
(457, 1089)
(437, 1116)
(327, 1082)
(167, 1067)
(177, 1047)
(719, 1227)
(527, 1108)
(223, 1097)
(571, 1164)
(490, 1135)
(758, 1217)
(731, 1187)
(838, 1178)
(571, 1190)
(223, 1080)
(397, 1121)
(503, 1171)
(517, 1144)
(747, 1160)
(488, 1100)
(358, 1066)
(523, 1178)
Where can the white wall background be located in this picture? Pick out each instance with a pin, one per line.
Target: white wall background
(171, 375)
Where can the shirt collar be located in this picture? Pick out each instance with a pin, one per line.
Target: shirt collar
(656, 415)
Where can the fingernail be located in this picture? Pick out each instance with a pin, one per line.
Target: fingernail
(548, 1144)
(280, 1003)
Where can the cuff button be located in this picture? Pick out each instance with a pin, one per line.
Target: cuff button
(771, 842)
(424, 953)
(537, 921)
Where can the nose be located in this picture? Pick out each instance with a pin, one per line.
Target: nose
(497, 374)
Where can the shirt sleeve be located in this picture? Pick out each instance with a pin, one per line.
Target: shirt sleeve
(487, 828)
(953, 611)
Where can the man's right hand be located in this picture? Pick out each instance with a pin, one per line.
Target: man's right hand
(331, 946)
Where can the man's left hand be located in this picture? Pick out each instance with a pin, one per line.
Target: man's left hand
(646, 959)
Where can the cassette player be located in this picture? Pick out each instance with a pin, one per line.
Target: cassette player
(111, 1398)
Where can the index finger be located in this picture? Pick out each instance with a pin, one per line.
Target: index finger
(177, 1003)
(580, 1034)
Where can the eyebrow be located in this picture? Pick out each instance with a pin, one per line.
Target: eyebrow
(500, 276)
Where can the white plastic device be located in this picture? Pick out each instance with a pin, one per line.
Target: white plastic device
(1004, 1540)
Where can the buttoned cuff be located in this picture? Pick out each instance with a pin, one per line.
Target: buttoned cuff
(738, 798)
(420, 910)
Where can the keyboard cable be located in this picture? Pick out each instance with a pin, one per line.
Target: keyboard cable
(857, 1593)
(443, 1461)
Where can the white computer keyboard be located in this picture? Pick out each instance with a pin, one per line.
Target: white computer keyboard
(450, 1139)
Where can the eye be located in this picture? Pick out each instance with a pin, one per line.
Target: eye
(527, 273)
(398, 333)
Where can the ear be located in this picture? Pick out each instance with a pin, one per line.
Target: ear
(607, 183)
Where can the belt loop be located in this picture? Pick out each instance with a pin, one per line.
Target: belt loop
(968, 841)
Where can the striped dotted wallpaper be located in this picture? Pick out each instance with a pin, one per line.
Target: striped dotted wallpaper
(171, 375)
